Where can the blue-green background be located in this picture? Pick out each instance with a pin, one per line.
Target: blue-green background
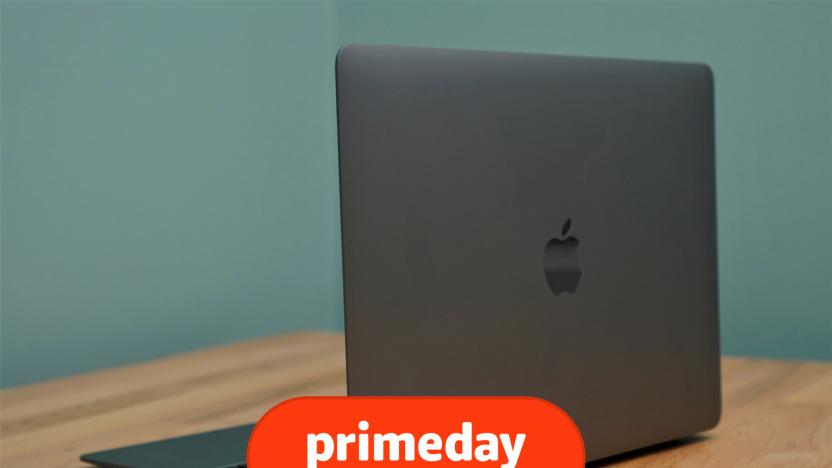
(169, 170)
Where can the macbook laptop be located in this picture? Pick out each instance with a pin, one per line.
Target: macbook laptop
(522, 224)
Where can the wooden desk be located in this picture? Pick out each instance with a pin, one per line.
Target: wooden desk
(776, 413)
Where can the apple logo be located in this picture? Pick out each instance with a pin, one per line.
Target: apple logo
(560, 262)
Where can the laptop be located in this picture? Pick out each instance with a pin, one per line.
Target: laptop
(523, 224)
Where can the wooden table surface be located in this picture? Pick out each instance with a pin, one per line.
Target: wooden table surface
(775, 413)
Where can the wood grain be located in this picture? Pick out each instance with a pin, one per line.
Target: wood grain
(775, 413)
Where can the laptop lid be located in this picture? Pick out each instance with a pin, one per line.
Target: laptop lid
(526, 224)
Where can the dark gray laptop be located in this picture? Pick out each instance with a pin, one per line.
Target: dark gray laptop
(525, 224)
(522, 224)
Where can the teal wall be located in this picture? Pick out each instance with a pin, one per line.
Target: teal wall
(169, 179)
(169, 171)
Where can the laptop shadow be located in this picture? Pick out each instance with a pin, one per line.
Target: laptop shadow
(653, 449)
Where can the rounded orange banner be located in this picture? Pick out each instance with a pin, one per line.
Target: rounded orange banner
(374, 432)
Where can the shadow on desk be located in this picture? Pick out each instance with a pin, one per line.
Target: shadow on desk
(652, 450)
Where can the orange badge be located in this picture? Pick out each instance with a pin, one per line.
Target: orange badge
(370, 432)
